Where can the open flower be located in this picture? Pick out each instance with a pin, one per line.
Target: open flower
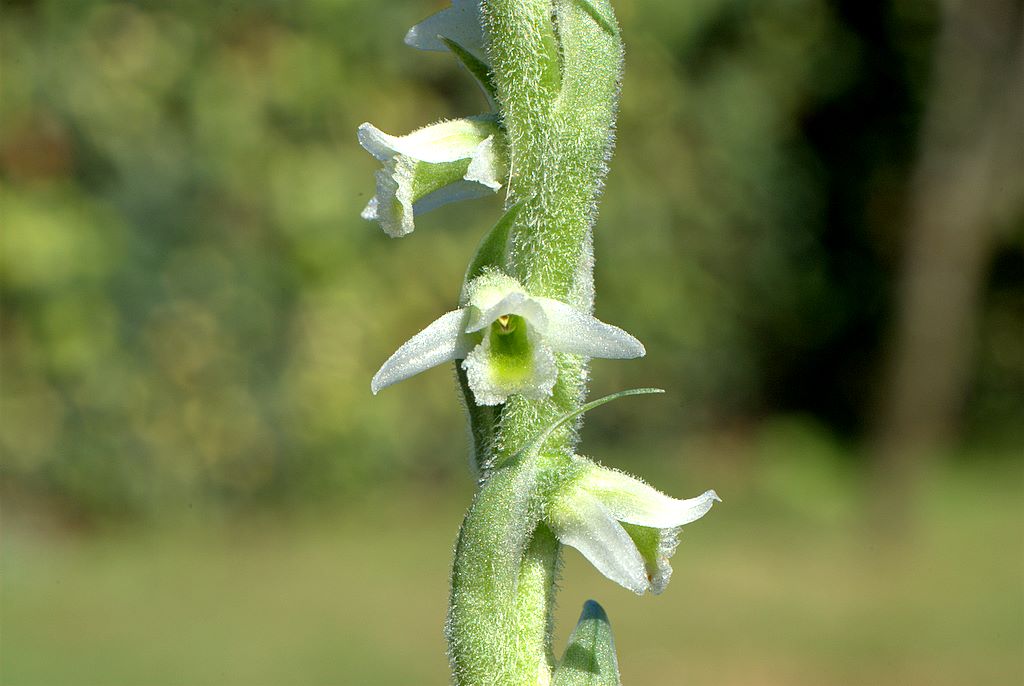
(433, 166)
(627, 529)
(507, 340)
(460, 22)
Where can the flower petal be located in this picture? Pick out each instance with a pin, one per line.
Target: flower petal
(369, 212)
(631, 500)
(656, 547)
(460, 22)
(572, 331)
(513, 303)
(407, 187)
(483, 314)
(433, 166)
(445, 141)
(494, 379)
(456, 191)
(488, 166)
(486, 290)
(579, 520)
(442, 341)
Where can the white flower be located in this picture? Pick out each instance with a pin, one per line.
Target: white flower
(460, 22)
(627, 529)
(433, 166)
(507, 341)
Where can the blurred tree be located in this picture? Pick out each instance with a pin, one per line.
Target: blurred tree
(192, 308)
(968, 182)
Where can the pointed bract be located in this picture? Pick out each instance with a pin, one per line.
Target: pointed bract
(589, 658)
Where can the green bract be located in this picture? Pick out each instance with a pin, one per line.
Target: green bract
(590, 656)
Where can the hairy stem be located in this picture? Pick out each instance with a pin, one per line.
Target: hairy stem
(556, 67)
(499, 623)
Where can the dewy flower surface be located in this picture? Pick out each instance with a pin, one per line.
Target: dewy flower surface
(433, 166)
(507, 340)
(627, 529)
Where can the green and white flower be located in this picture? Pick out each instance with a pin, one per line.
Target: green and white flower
(460, 22)
(507, 340)
(626, 528)
(433, 166)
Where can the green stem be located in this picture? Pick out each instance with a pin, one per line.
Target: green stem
(556, 67)
(499, 621)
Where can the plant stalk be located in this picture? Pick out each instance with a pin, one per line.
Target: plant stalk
(556, 67)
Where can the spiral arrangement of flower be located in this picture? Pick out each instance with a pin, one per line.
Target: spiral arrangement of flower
(523, 334)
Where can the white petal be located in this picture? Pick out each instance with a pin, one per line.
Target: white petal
(461, 22)
(446, 141)
(442, 341)
(491, 387)
(656, 556)
(485, 310)
(370, 211)
(489, 288)
(631, 500)
(572, 331)
(662, 572)
(392, 206)
(488, 167)
(376, 142)
(579, 520)
(453, 192)
(513, 303)
(416, 164)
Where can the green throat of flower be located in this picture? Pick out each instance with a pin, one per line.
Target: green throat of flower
(511, 354)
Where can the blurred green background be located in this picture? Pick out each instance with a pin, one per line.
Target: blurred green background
(813, 220)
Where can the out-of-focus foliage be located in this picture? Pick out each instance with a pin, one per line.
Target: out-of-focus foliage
(192, 308)
(785, 587)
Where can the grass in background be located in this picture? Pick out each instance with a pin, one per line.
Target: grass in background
(786, 583)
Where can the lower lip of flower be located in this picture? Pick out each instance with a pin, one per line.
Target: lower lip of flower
(510, 348)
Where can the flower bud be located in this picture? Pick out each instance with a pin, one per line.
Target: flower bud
(589, 659)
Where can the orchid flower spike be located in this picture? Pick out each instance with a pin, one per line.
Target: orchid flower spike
(627, 529)
(433, 166)
(507, 340)
(460, 22)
